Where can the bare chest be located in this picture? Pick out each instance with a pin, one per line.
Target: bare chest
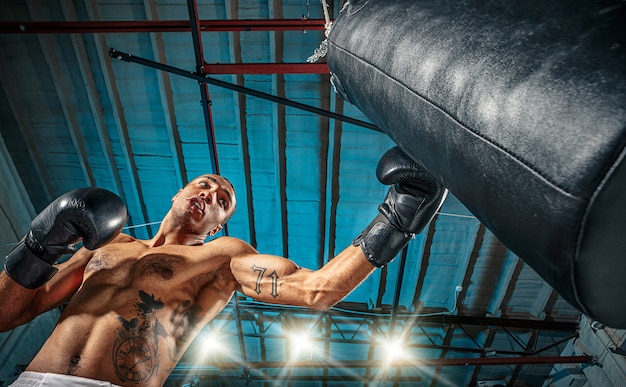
(130, 264)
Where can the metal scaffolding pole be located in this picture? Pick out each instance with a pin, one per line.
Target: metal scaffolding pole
(72, 27)
(241, 89)
(457, 362)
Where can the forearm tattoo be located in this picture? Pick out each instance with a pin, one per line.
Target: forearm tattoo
(260, 274)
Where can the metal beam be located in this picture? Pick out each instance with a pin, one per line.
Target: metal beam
(246, 379)
(280, 131)
(396, 296)
(267, 68)
(324, 136)
(63, 90)
(478, 356)
(160, 66)
(10, 85)
(488, 342)
(134, 192)
(239, 106)
(334, 160)
(456, 362)
(562, 326)
(240, 337)
(69, 27)
(167, 99)
(61, 84)
(69, 12)
(204, 88)
(449, 336)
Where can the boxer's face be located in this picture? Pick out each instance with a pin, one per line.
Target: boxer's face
(207, 202)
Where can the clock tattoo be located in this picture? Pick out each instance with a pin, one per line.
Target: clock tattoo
(135, 352)
(134, 360)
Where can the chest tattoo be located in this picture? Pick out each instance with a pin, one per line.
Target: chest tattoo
(136, 348)
(135, 352)
(185, 319)
(163, 270)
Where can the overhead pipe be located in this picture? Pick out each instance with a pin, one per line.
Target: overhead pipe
(290, 378)
(76, 27)
(241, 89)
(517, 323)
(240, 338)
(480, 349)
(267, 68)
(452, 362)
(396, 296)
(204, 89)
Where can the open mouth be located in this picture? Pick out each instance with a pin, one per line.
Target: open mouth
(197, 204)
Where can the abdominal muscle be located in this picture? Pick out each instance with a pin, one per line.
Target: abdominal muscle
(128, 335)
(125, 347)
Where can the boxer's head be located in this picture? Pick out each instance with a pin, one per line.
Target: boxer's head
(205, 204)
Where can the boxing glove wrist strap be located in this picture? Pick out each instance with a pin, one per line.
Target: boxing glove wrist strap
(26, 268)
(381, 242)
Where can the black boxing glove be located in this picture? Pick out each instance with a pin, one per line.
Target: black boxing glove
(412, 201)
(94, 215)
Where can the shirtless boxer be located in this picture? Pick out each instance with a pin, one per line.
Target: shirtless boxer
(136, 305)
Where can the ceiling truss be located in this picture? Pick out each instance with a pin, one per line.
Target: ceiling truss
(327, 326)
(358, 328)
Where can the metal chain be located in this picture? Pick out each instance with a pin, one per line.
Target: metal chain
(319, 52)
(322, 50)
(308, 10)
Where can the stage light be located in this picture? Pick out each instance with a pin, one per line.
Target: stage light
(394, 350)
(212, 344)
(301, 343)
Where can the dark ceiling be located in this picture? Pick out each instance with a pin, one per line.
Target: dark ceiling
(302, 161)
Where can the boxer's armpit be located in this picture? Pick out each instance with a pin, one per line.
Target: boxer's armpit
(184, 320)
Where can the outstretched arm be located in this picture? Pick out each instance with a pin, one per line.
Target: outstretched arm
(412, 201)
(278, 280)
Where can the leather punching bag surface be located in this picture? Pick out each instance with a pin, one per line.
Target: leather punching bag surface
(519, 108)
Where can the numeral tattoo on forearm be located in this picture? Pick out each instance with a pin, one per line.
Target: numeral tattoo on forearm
(273, 275)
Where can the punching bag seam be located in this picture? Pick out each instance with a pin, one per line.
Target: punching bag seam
(461, 124)
(581, 225)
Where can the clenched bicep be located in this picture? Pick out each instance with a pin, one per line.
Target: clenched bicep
(273, 279)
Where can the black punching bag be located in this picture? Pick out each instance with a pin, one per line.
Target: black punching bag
(519, 108)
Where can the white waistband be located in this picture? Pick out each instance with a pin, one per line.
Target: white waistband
(39, 379)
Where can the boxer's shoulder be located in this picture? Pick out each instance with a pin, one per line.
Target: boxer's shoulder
(124, 238)
(229, 246)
